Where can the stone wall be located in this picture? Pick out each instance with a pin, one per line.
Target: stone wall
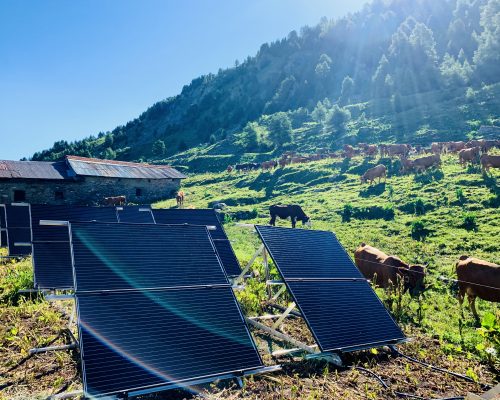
(89, 190)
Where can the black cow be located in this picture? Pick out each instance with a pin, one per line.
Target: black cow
(247, 167)
(294, 211)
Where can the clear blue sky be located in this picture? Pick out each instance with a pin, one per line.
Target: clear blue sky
(69, 69)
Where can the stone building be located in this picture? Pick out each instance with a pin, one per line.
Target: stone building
(85, 181)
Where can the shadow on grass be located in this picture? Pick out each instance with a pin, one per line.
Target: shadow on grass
(375, 190)
(428, 176)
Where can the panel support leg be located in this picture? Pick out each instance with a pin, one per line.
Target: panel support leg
(249, 265)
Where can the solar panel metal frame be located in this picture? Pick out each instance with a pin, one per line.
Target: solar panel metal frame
(140, 209)
(232, 265)
(40, 242)
(193, 380)
(14, 250)
(287, 281)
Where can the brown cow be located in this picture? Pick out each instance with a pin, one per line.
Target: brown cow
(488, 161)
(489, 144)
(386, 270)
(284, 161)
(269, 164)
(474, 143)
(468, 155)
(298, 160)
(437, 147)
(179, 198)
(229, 168)
(115, 201)
(371, 150)
(422, 163)
(406, 165)
(398, 149)
(477, 278)
(453, 147)
(376, 172)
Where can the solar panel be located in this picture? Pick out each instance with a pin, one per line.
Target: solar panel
(17, 219)
(207, 217)
(135, 214)
(140, 256)
(337, 303)
(3, 227)
(344, 315)
(51, 246)
(154, 308)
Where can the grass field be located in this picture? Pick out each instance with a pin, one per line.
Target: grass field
(382, 215)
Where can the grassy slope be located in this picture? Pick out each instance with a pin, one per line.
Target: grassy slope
(318, 187)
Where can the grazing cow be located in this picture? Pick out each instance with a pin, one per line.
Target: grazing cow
(453, 147)
(269, 164)
(398, 149)
(229, 168)
(474, 143)
(247, 167)
(489, 144)
(294, 211)
(298, 160)
(406, 165)
(179, 198)
(349, 151)
(488, 161)
(468, 155)
(383, 149)
(422, 163)
(477, 278)
(376, 172)
(284, 161)
(371, 150)
(115, 201)
(437, 147)
(385, 270)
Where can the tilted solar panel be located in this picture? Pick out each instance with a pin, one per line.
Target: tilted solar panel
(17, 219)
(344, 315)
(339, 306)
(65, 213)
(154, 308)
(138, 256)
(3, 227)
(227, 257)
(307, 253)
(51, 247)
(132, 340)
(135, 214)
(52, 265)
(207, 217)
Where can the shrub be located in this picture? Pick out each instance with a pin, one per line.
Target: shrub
(460, 195)
(469, 221)
(347, 213)
(418, 230)
(419, 207)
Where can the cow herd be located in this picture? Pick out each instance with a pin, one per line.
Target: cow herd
(471, 152)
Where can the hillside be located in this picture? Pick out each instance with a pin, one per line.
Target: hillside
(401, 70)
(382, 215)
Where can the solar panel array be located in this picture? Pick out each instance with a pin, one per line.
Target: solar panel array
(155, 308)
(337, 303)
(18, 224)
(135, 214)
(3, 227)
(207, 217)
(51, 244)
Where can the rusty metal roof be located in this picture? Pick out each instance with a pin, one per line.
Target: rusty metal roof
(121, 169)
(33, 170)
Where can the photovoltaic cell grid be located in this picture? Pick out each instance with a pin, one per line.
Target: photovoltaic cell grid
(51, 246)
(337, 303)
(140, 334)
(207, 217)
(3, 227)
(17, 220)
(135, 214)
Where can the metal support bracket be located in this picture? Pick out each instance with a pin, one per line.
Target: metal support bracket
(284, 315)
(249, 265)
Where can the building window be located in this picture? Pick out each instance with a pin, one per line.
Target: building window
(19, 195)
(138, 192)
(59, 195)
